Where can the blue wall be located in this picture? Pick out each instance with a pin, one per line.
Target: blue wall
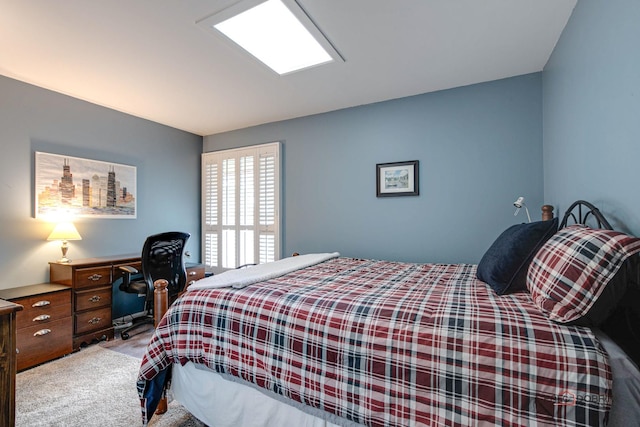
(591, 112)
(168, 178)
(570, 132)
(479, 147)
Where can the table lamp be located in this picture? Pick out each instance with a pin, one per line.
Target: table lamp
(64, 231)
(519, 204)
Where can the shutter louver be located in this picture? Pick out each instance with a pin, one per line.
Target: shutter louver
(228, 192)
(211, 194)
(247, 190)
(211, 249)
(267, 190)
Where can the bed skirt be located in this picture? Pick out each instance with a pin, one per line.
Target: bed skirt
(225, 401)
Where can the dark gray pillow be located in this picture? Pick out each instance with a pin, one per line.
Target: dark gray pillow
(614, 292)
(504, 265)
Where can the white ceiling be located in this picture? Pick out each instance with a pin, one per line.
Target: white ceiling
(148, 58)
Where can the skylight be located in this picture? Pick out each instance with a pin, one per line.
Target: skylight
(283, 40)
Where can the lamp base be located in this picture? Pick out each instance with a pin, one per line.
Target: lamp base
(65, 248)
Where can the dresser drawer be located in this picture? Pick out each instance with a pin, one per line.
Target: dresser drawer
(41, 343)
(43, 309)
(93, 298)
(93, 320)
(92, 277)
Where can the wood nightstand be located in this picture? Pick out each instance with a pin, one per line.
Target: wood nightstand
(44, 326)
(195, 272)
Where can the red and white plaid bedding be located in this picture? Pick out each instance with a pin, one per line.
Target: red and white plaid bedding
(392, 344)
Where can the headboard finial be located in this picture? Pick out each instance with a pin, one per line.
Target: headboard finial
(547, 212)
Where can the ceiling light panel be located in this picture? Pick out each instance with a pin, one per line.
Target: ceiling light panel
(276, 32)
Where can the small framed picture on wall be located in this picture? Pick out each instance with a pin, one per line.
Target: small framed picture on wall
(397, 179)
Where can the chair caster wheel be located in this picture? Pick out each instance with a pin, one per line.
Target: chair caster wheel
(124, 335)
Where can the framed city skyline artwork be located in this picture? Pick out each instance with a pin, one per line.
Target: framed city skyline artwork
(67, 186)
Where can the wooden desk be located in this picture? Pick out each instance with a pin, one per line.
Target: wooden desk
(91, 281)
(8, 362)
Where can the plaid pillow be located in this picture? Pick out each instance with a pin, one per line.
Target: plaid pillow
(572, 268)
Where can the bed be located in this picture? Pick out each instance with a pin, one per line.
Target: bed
(538, 333)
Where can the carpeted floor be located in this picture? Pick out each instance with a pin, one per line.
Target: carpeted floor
(93, 387)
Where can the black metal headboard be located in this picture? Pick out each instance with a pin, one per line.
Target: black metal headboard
(580, 211)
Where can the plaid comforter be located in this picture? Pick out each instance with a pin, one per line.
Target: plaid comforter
(390, 344)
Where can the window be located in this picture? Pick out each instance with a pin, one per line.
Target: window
(240, 207)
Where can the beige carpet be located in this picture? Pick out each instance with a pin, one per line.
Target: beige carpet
(92, 387)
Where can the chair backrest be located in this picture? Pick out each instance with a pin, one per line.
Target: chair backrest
(162, 259)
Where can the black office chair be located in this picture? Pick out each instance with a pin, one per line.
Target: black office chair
(161, 259)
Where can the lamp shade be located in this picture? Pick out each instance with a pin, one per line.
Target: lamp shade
(64, 231)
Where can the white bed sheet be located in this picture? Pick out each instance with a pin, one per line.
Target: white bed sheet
(240, 278)
(625, 410)
(220, 402)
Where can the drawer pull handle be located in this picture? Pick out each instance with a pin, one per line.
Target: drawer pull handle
(42, 303)
(42, 332)
(41, 318)
(193, 273)
(95, 320)
(95, 298)
(95, 277)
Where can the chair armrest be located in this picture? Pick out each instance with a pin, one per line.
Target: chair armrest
(126, 271)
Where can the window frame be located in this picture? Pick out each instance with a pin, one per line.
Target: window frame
(266, 169)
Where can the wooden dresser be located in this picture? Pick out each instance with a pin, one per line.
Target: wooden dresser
(8, 312)
(90, 280)
(44, 326)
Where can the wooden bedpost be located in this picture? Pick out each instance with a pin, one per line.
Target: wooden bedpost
(547, 212)
(160, 300)
(160, 307)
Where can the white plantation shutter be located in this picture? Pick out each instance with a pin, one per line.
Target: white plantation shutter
(240, 213)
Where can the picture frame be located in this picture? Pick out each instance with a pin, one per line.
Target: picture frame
(397, 179)
(76, 187)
